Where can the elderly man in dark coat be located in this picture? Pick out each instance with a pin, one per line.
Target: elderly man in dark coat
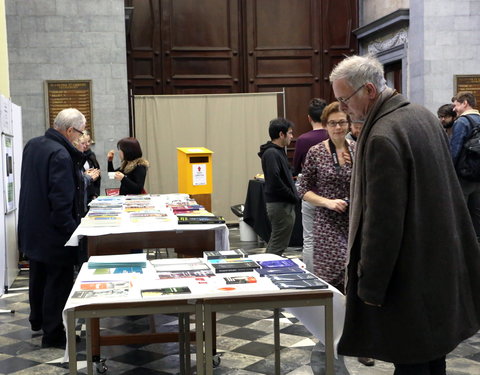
(413, 270)
(51, 205)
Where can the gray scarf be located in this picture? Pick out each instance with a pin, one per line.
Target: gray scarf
(356, 185)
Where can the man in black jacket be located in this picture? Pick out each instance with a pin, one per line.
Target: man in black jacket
(280, 192)
(51, 205)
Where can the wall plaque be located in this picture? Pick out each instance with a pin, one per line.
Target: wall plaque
(470, 83)
(69, 94)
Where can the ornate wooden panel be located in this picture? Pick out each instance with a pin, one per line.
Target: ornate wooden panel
(223, 46)
(339, 19)
(201, 48)
(144, 60)
(283, 52)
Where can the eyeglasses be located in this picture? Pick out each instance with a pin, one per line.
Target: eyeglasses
(78, 131)
(345, 101)
(333, 123)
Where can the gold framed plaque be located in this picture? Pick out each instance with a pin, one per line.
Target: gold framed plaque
(470, 83)
(69, 94)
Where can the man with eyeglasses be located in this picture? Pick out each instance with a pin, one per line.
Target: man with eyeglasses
(51, 204)
(412, 274)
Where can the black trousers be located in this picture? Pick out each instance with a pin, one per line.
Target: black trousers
(436, 367)
(49, 287)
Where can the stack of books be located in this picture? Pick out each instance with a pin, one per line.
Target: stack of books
(176, 268)
(287, 274)
(104, 212)
(230, 261)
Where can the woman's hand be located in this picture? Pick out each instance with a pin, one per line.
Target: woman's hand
(93, 173)
(346, 156)
(110, 155)
(119, 176)
(337, 205)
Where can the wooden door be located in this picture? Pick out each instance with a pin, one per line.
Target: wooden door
(144, 60)
(293, 45)
(283, 52)
(201, 49)
(339, 19)
(227, 46)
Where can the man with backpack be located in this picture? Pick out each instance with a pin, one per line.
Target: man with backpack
(467, 163)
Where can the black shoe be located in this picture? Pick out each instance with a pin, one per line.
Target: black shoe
(36, 328)
(59, 342)
(366, 361)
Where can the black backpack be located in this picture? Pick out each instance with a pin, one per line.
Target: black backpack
(468, 165)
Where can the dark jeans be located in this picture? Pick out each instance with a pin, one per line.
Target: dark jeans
(49, 287)
(436, 367)
(282, 219)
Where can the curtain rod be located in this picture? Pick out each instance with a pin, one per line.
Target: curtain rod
(204, 95)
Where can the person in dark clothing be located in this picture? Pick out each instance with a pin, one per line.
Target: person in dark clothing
(312, 137)
(133, 170)
(302, 146)
(447, 115)
(413, 258)
(91, 163)
(50, 209)
(280, 192)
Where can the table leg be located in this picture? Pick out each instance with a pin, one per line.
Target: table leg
(95, 324)
(188, 363)
(208, 319)
(89, 323)
(199, 338)
(72, 343)
(329, 354)
(182, 342)
(276, 339)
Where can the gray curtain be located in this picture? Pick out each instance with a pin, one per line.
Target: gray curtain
(233, 126)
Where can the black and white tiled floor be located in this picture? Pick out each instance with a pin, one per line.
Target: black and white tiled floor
(244, 341)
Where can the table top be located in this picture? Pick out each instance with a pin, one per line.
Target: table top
(127, 226)
(93, 287)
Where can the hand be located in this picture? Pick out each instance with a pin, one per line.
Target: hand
(93, 173)
(110, 155)
(337, 205)
(119, 176)
(347, 157)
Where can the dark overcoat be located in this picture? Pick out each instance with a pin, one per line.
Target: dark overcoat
(51, 198)
(412, 247)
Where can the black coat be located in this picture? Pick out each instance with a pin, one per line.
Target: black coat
(279, 185)
(135, 172)
(51, 198)
(93, 189)
(412, 247)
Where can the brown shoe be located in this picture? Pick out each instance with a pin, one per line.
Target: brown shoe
(366, 361)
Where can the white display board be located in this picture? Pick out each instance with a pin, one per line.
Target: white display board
(8, 178)
(11, 144)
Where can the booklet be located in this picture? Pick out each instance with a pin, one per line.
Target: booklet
(165, 291)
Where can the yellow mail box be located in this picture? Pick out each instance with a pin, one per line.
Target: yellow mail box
(194, 170)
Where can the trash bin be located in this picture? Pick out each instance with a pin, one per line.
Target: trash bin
(247, 234)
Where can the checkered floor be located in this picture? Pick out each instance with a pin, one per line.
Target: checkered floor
(244, 343)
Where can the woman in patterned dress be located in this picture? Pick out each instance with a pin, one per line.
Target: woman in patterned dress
(326, 184)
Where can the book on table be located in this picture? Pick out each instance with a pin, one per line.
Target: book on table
(116, 261)
(246, 265)
(224, 254)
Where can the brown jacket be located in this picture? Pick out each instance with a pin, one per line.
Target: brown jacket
(412, 247)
